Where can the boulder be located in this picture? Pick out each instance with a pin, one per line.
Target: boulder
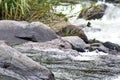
(17, 32)
(93, 12)
(73, 30)
(77, 43)
(20, 67)
(113, 48)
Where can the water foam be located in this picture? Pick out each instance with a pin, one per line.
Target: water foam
(88, 56)
(109, 25)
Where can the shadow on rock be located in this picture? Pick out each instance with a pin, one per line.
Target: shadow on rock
(17, 32)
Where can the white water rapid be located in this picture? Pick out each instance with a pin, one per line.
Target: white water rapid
(105, 29)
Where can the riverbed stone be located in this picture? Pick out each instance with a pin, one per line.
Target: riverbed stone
(19, 66)
(17, 32)
(93, 12)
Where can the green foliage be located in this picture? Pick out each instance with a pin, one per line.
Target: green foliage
(29, 10)
(14, 9)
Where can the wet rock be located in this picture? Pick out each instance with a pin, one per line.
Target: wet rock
(113, 48)
(72, 30)
(17, 32)
(19, 66)
(59, 49)
(63, 44)
(93, 12)
(106, 47)
(99, 47)
(46, 54)
(77, 43)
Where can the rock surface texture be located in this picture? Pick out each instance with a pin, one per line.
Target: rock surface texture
(18, 32)
(19, 66)
(76, 42)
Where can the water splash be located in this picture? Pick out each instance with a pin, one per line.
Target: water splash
(108, 27)
(88, 56)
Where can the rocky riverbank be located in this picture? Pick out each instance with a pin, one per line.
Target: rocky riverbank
(19, 39)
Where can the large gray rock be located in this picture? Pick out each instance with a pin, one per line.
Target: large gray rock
(19, 66)
(17, 32)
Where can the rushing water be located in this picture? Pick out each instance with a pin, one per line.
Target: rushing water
(105, 29)
(89, 65)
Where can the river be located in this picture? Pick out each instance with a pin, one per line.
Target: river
(92, 65)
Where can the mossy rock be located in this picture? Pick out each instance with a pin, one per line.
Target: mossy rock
(72, 30)
(93, 12)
